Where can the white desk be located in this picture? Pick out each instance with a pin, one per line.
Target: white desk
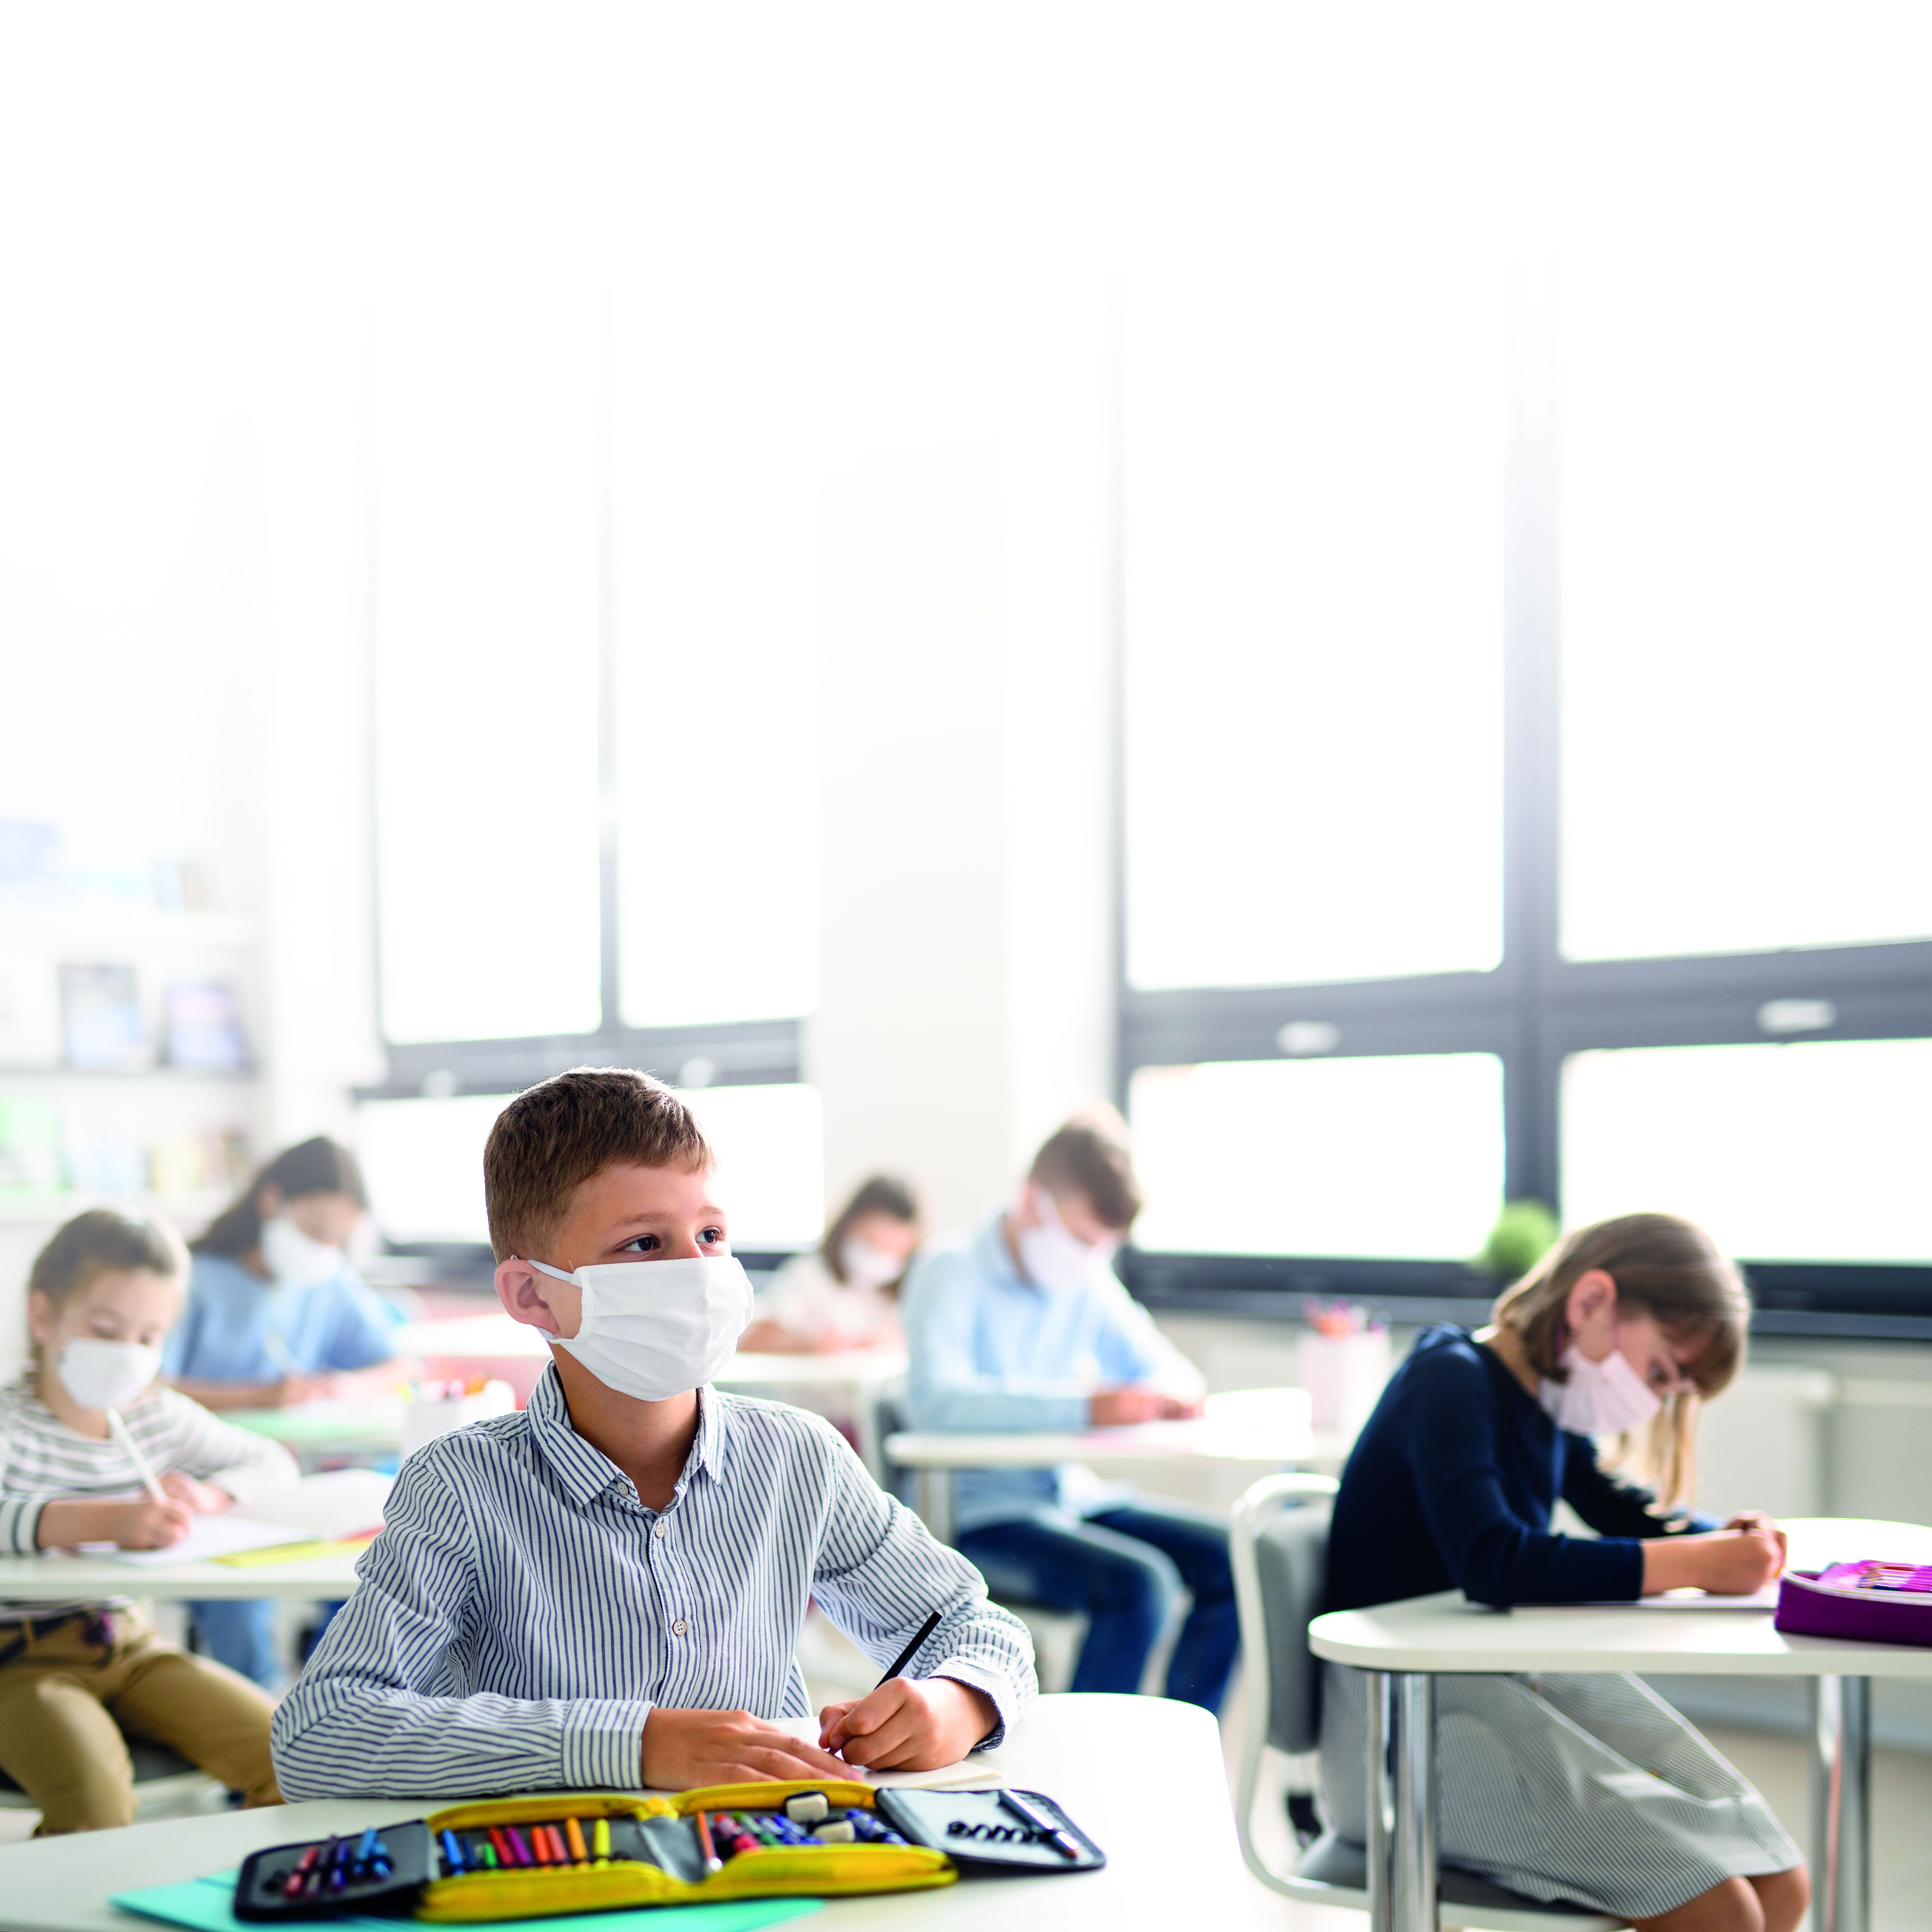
(1407, 1645)
(332, 1505)
(863, 1374)
(1144, 1776)
(1268, 1428)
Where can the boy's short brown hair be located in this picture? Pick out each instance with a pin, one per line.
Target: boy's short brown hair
(1089, 1155)
(552, 1137)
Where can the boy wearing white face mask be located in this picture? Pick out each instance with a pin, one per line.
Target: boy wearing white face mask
(276, 1315)
(607, 1589)
(74, 1676)
(1621, 1330)
(1023, 1325)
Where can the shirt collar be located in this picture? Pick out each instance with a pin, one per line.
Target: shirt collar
(994, 1257)
(584, 1470)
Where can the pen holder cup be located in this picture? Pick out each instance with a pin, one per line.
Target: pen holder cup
(1344, 1375)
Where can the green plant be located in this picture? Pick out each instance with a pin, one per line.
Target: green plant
(1525, 1231)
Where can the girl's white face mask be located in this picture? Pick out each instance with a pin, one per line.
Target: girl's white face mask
(868, 1267)
(654, 1329)
(295, 1258)
(1605, 1398)
(106, 1374)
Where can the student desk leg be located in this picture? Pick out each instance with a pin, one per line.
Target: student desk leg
(1401, 1801)
(1841, 1804)
(933, 1492)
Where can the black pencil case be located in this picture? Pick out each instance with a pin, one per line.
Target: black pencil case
(980, 1833)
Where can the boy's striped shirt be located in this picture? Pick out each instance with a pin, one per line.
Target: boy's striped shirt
(523, 1612)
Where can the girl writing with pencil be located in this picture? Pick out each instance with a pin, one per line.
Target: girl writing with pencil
(1586, 1788)
(93, 1450)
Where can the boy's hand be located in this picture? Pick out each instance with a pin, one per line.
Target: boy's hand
(1116, 1408)
(204, 1498)
(685, 1749)
(148, 1525)
(910, 1724)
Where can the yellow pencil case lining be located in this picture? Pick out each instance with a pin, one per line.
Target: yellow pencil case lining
(812, 1871)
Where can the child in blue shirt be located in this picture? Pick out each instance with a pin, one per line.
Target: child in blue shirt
(1023, 1325)
(1588, 1788)
(276, 1315)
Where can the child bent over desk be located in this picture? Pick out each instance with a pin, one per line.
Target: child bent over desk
(74, 1676)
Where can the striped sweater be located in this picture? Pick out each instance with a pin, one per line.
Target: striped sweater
(522, 1611)
(42, 1460)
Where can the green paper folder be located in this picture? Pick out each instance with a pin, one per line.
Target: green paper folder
(207, 1905)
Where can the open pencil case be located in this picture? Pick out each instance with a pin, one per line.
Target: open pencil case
(532, 1857)
(1867, 1603)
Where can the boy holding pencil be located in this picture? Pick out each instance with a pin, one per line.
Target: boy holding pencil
(606, 1590)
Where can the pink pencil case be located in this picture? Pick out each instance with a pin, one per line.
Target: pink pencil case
(1867, 1603)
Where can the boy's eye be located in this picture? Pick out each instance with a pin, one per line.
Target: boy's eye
(643, 1243)
(711, 1237)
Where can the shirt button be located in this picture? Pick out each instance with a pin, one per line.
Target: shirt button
(657, 1529)
(679, 1628)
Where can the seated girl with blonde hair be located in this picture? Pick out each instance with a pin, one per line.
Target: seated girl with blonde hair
(1589, 1788)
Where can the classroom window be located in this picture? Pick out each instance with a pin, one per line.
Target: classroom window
(1526, 658)
(715, 563)
(1814, 1150)
(423, 1159)
(1746, 616)
(485, 603)
(1400, 1156)
(1313, 508)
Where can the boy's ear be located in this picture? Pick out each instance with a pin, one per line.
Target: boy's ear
(41, 1324)
(531, 1297)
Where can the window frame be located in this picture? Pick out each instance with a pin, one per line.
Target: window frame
(732, 1052)
(1534, 1007)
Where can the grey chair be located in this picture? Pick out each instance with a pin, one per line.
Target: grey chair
(1279, 1541)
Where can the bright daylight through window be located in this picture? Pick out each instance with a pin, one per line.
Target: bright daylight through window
(1747, 616)
(1398, 1156)
(1814, 1149)
(1313, 538)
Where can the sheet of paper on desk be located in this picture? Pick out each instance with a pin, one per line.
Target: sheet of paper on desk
(207, 1905)
(1766, 1599)
(211, 1536)
(340, 1503)
(974, 1771)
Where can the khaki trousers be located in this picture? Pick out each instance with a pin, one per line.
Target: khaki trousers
(73, 1685)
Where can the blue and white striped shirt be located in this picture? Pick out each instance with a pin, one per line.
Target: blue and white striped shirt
(522, 1612)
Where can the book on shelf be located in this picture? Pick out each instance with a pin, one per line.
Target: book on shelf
(100, 1017)
(203, 1020)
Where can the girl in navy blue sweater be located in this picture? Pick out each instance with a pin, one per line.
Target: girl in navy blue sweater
(1588, 1788)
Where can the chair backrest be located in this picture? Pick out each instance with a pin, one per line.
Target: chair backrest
(1279, 1544)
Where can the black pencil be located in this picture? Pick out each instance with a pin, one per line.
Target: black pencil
(906, 1656)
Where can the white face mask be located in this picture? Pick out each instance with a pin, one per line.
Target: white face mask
(295, 1258)
(107, 1375)
(1055, 1258)
(654, 1329)
(868, 1267)
(1605, 1398)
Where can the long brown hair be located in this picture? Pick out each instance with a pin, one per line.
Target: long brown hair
(1666, 1268)
(317, 1166)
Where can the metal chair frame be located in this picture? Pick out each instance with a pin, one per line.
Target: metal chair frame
(1252, 1515)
